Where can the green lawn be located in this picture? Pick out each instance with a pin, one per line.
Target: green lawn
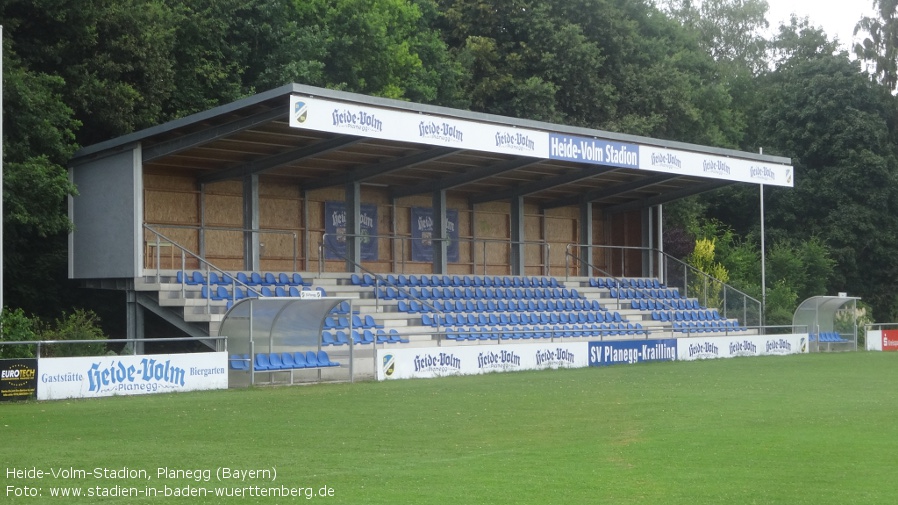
(814, 429)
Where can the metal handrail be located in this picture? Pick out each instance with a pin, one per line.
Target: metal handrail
(202, 262)
(402, 239)
(39, 343)
(228, 228)
(383, 280)
(569, 255)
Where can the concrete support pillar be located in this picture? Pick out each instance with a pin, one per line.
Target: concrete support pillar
(251, 239)
(134, 320)
(440, 235)
(585, 239)
(353, 227)
(517, 236)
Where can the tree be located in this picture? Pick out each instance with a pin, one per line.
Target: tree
(880, 47)
(39, 134)
(839, 129)
(112, 56)
(729, 30)
(382, 48)
(610, 64)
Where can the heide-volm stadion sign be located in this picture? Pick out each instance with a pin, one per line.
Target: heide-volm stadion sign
(336, 117)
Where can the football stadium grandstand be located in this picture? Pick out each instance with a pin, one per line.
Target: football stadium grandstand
(418, 225)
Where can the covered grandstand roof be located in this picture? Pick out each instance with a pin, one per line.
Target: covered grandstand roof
(320, 138)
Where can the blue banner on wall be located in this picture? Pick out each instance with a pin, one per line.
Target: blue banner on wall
(593, 151)
(422, 234)
(335, 230)
(632, 351)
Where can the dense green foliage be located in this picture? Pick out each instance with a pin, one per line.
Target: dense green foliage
(80, 73)
(79, 325)
(806, 430)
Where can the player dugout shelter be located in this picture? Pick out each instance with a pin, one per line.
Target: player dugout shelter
(308, 179)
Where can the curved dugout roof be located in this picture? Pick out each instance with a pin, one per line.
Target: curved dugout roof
(547, 164)
(276, 324)
(818, 313)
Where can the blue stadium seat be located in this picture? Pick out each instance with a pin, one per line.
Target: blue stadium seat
(238, 362)
(195, 278)
(274, 359)
(312, 360)
(262, 362)
(325, 360)
(287, 360)
(299, 358)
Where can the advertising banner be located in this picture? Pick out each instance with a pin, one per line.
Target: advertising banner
(422, 232)
(889, 340)
(427, 362)
(335, 229)
(694, 348)
(632, 351)
(406, 126)
(93, 376)
(18, 379)
(874, 340)
(678, 162)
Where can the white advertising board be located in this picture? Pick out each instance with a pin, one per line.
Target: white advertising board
(376, 122)
(694, 348)
(405, 126)
(678, 162)
(427, 362)
(87, 377)
(874, 340)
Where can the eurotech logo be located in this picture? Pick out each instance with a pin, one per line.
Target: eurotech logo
(18, 374)
(301, 112)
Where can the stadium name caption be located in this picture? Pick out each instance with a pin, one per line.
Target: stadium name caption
(593, 151)
(222, 474)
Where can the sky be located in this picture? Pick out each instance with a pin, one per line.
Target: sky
(836, 17)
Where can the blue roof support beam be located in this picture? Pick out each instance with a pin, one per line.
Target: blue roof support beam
(542, 184)
(361, 174)
(468, 177)
(663, 198)
(271, 162)
(188, 141)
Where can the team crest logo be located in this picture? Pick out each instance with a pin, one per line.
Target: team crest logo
(301, 112)
(789, 176)
(803, 345)
(389, 365)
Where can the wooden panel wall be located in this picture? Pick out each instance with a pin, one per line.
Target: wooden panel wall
(173, 205)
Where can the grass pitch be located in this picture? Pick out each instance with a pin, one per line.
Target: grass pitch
(809, 429)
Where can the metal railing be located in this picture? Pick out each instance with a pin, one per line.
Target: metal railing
(207, 229)
(205, 267)
(618, 263)
(402, 251)
(40, 343)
